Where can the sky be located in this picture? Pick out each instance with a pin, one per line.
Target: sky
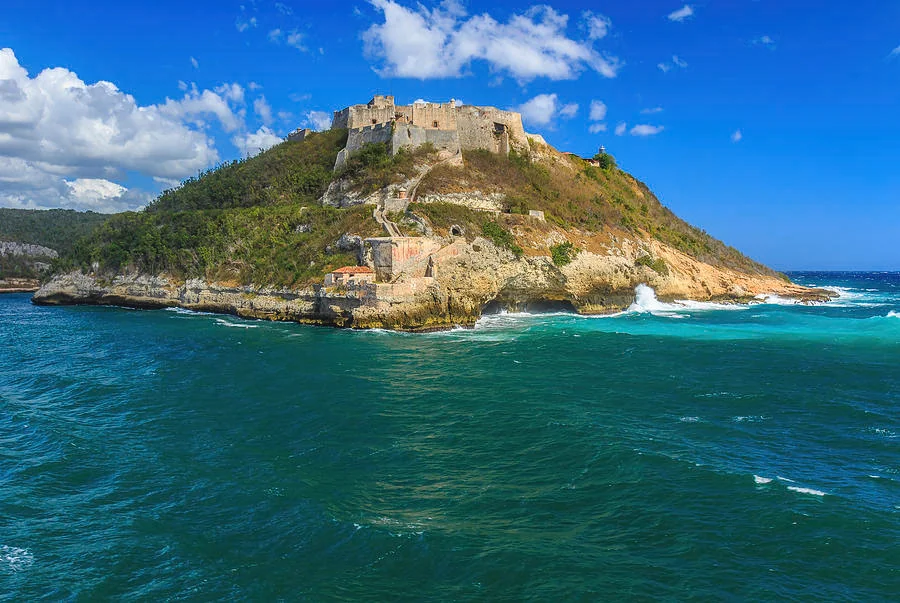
(772, 125)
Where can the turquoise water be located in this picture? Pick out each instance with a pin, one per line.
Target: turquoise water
(683, 453)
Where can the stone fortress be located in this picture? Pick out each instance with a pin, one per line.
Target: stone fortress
(396, 265)
(450, 127)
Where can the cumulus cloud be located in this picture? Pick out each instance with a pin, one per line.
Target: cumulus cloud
(291, 38)
(682, 13)
(621, 128)
(895, 52)
(263, 110)
(543, 109)
(597, 25)
(598, 110)
(64, 143)
(737, 136)
(444, 41)
(646, 130)
(253, 143)
(318, 120)
(651, 110)
(597, 128)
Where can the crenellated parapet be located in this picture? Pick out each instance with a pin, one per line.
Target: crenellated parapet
(449, 127)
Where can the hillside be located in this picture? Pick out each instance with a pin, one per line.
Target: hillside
(34, 238)
(256, 237)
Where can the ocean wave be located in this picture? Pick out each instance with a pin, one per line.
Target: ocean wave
(646, 302)
(14, 558)
(893, 314)
(226, 323)
(802, 490)
(758, 479)
(187, 312)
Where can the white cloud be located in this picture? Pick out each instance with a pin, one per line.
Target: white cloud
(275, 35)
(598, 110)
(682, 13)
(64, 143)
(543, 109)
(651, 111)
(444, 41)
(253, 143)
(621, 128)
(598, 25)
(676, 62)
(766, 41)
(895, 52)
(243, 25)
(646, 130)
(568, 111)
(263, 110)
(737, 136)
(295, 39)
(318, 120)
(195, 63)
(597, 128)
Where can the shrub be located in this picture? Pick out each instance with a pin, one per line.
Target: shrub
(606, 161)
(657, 265)
(501, 237)
(563, 253)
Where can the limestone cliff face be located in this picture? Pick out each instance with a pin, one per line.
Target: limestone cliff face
(481, 276)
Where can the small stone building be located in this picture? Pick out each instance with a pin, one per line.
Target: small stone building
(350, 275)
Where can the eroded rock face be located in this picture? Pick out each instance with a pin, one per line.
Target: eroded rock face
(462, 286)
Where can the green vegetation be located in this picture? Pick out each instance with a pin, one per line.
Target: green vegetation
(282, 245)
(563, 253)
(501, 237)
(57, 229)
(372, 167)
(658, 265)
(250, 221)
(606, 161)
(291, 172)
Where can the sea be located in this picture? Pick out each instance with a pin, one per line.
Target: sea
(676, 451)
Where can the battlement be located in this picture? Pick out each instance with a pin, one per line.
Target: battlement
(448, 126)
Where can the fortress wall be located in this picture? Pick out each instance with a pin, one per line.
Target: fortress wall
(426, 115)
(477, 129)
(359, 137)
(412, 137)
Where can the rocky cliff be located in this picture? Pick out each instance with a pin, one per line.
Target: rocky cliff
(482, 277)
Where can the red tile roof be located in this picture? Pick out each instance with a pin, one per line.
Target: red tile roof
(354, 270)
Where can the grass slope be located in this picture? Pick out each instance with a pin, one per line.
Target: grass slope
(574, 194)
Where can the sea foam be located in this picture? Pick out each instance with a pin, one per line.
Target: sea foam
(15, 558)
(645, 301)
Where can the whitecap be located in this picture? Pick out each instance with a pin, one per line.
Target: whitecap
(784, 479)
(15, 558)
(761, 480)
(645, 301)
(689, 419)
(806, 490)
(893, 314)
(226, 323)
(187, 312)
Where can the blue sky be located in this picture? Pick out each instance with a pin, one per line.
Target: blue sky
(773, 125)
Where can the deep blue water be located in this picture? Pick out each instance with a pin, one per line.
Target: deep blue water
(689, 452)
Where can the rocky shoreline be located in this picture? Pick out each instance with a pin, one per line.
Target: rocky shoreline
(19, 285)
(482, 277)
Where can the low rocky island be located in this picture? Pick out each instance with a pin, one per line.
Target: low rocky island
(415, 218)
